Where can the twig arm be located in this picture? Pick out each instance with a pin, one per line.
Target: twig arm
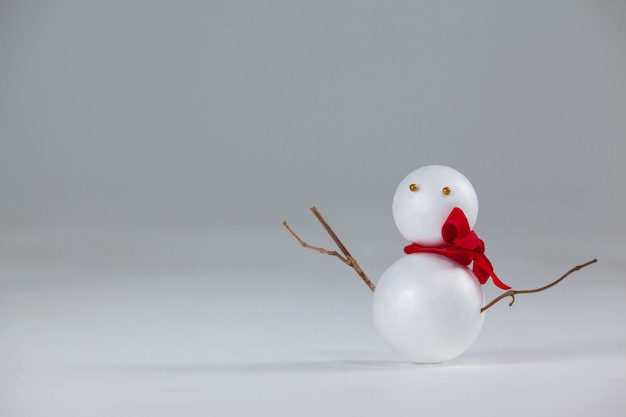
(512, 293)
(346, 258)
(315, 248)
(330, 232)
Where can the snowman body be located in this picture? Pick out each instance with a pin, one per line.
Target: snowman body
(427, 306)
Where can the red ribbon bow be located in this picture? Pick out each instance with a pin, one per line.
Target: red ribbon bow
(463, 246)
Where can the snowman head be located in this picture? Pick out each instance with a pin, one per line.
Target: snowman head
(424, 200)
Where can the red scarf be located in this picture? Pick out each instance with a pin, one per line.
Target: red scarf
(463, 246)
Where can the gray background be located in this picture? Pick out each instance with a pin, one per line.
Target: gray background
(150, 150)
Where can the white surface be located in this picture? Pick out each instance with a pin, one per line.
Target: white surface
(133, 322)
(150, 150)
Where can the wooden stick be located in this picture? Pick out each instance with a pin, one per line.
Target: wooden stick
(512, 293)
(320, 250)
(346, 258)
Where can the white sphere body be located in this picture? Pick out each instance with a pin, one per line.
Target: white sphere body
(427, 307)
(420, 214)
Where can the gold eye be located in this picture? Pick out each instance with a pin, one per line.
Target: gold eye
(414, 187)
(446, 190)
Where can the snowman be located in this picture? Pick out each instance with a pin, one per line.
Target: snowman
(427, 304)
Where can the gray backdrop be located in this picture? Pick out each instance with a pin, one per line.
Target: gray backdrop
(149, 151)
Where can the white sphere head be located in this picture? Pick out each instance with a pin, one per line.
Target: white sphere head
(424, 199)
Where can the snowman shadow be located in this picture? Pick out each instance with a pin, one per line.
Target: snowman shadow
(375, 360)
(537, 355)
(361, 360)
(338, 361)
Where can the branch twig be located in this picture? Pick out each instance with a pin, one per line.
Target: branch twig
(346, 258)
(512, 293)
